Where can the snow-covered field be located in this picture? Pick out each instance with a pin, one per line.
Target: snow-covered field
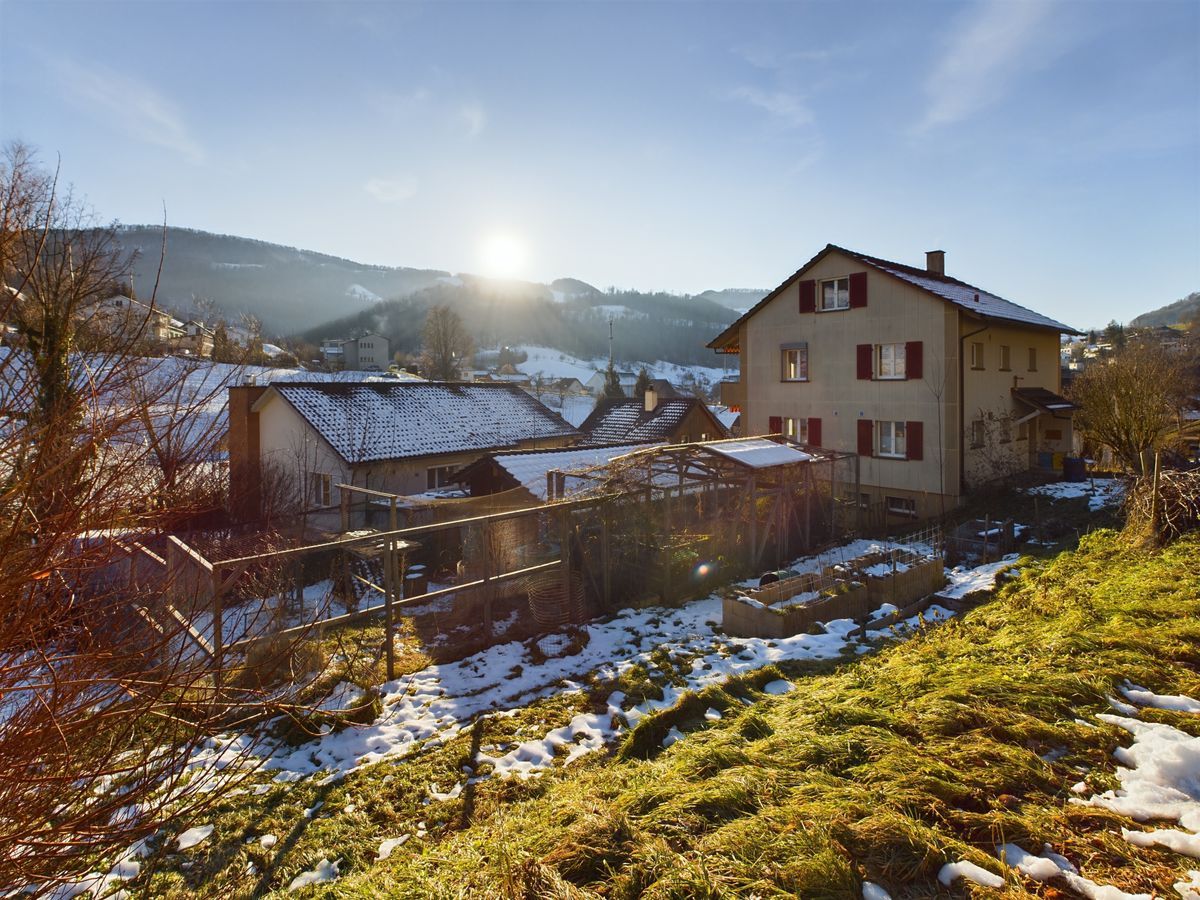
(556, 364)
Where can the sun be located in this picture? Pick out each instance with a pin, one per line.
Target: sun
(503, 255)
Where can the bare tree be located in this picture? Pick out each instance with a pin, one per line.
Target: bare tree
(1132, 403)
(445, 344)
(100, 709)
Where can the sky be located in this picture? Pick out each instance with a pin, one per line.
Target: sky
(1052, 149)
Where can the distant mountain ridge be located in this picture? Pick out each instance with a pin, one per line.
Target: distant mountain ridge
(1185, 310)
(294, 291)
(288, 289)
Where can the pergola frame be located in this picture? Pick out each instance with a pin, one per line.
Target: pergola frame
(665, 473)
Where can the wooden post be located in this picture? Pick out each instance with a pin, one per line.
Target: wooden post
(987, 527)
(392, 522)
(389, 589)
(606, 573)
(218, 643)
(752, 558)
(489, 589)
(1154, 494)
(564, 537)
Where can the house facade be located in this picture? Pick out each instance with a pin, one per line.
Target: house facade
(304, 438)
(367, 353)
(938, 385)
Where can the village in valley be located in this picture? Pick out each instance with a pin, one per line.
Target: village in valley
(347, 580)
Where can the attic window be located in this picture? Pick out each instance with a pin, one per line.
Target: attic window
(835, 294)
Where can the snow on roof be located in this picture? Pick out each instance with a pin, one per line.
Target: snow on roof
(373, 421)
(961, 294)
(758, 453)
(628, 421)
(952, 290)
(530, 468)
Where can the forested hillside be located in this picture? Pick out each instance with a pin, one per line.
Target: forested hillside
(286, 288)
(656, 326)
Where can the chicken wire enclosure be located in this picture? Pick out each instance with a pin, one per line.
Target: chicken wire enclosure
(688, 510)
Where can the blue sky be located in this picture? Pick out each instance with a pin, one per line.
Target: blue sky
(1051, 148)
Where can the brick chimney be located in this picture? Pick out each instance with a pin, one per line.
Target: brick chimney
(651, 399)
(245, 468)
(935, 262)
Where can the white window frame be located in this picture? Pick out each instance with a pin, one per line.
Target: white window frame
(890, 361)
(320, 489)
(841, 298)
(976, 355)
(891, 439)
(796, 429)
(1005, 358)
(902, 506)
(793, 362)
(436, 477)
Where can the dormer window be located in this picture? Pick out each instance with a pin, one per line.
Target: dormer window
(835, 293)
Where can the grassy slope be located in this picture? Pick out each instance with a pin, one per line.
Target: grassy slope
(886, 769)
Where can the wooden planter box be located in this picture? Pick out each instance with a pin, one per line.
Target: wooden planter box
(746, 620)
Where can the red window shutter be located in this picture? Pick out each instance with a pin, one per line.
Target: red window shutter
(858, 290)
(915, 437)
(808, 296)
(913, 360)
(814, 431)
(775, 425)
(866, 354)
(866, 437)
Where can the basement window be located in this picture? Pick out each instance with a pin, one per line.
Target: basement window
(902, 506)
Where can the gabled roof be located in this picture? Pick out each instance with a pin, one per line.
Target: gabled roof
(528, 468)
(966, 296)
(628, 422)
(373, 421)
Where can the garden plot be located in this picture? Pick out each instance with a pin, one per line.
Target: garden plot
(427, 708)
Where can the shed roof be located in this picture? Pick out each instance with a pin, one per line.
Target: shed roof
(369, 422)
(528, 468)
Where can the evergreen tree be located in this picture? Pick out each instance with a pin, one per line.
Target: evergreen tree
(642, 385)
(612, 384)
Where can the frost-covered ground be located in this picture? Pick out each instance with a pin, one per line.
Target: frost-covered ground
(1099, 492)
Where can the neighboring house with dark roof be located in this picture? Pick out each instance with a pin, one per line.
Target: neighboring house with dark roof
(929, 379)
(402, 438)
(678, 420)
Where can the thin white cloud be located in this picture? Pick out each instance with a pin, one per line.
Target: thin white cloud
(993, 45)
(133, 106)
(391, 190)
(474, 118)
(786, 108)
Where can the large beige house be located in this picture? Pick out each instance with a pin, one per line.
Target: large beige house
(938, 385)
